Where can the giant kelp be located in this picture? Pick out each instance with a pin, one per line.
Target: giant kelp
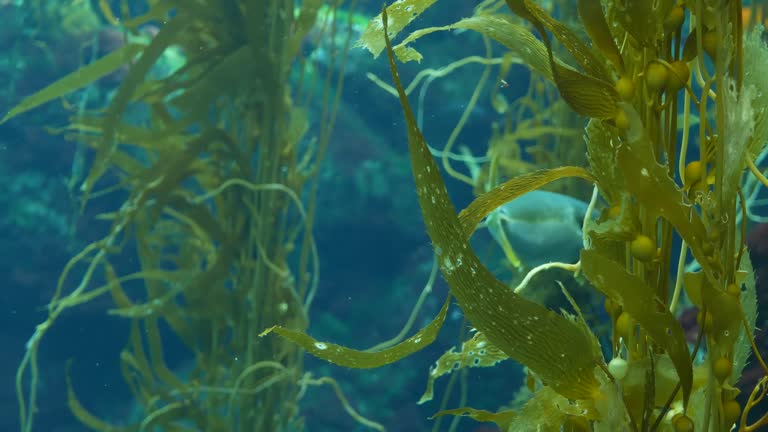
(219, 172)
(647, 63)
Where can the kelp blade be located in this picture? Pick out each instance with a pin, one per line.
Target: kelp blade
(517, 38)
(641, 303)
(486, 203)
(352, 358)
(399, 15)
(589, 94)
(558, 350)
(541, 20)
(476, 352)
(501, 418)
(591, 14)
(650, 183)
(78, 79)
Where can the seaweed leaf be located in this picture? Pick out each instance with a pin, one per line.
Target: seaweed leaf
(486, 203)
(351, 358)
(589, 94)
(650, 184)
(591, 14)
(501, 418)
(517, 38)
(640, 302)
(640, 18)
(399, 14)
(476, 352)
(748, 300)
(78, 79)
(541, 20)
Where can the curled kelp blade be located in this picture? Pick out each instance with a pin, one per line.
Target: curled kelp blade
(486, 203)
(476, 352)
(561, 352)
(540, 19)
(351, 358)
(399, 14)
(640, 302)
(590, 94)
(517, 38)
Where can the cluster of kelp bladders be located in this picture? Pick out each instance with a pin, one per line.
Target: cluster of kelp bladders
(662, 174)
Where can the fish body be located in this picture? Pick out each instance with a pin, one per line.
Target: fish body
(540, 227)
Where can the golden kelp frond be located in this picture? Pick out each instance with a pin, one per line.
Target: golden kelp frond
(755, 63)
(601, 153)
(641, 303)
(591, 14)
(486, 203)
(515, 325)
(499, 27)
(748, 301)
(642, 19)
(358, 359)
(124, 95)
(503, 418)
(590, 94)
(542, 21)
(476, 352)
(400, 14)
(650, 183)
(547, 410)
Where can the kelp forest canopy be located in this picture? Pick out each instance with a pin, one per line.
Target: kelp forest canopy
(671, 101)
(218, 163)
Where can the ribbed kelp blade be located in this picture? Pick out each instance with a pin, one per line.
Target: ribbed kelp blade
(351, 358)
(639, 301)
(486, 203)
(589, 94)
(558, 350)
(541, 20)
